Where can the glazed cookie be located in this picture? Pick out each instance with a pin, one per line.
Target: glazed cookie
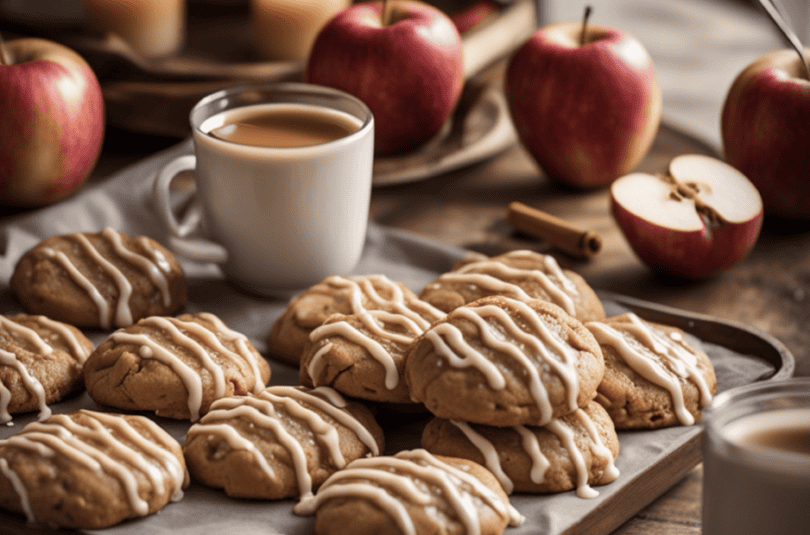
(653, 376)
(40, 362)
(174, 366)
(572, 452)
(104, 279)
(363, 354)
(503, 362)
(411, 493)
(90, 470)
(518, 274)
(341, 295)
(280, 443)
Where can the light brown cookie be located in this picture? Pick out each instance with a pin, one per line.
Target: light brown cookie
(90, 470)
(363, 355)
(572, 452)
(412, 493)
(653, 376)
(518, 274)
(40, 363)
(280, 443)
(174, 366)
(503, 362)
(103, 279)
(340, 295)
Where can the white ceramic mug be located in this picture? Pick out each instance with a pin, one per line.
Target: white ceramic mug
(276, 219)
(756, 463)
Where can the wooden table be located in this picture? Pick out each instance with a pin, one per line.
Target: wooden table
(769, 290)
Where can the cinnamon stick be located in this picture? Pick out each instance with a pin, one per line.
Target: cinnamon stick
(560, 233)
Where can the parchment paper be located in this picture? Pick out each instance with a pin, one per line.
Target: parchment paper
(124, 202)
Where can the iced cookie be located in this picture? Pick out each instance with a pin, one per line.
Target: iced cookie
(341, 295)
(501, 361)
(411, 493)
(174, 366)
(572, 452)
(40, 362)
(363, 354)
(517, 274)
(103, 279)
(90, 470)
(653, 376)
(280, 443)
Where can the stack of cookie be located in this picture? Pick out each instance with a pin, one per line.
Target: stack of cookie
(511, 374)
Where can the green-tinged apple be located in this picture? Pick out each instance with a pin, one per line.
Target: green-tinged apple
(585, 102)
(406, 66)
(766, 131)
(52, 122)
(699, 219)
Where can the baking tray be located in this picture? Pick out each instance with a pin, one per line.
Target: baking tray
(650, 461)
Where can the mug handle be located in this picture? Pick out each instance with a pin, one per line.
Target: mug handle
(199, 249)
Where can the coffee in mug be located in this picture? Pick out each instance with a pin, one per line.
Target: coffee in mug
(756, 460)
(283, 175)
(281, 125)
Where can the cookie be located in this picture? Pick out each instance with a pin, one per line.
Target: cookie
(653, 376)
(341, 295)
(40, 363)
(518, 274)
(412, 493)
(90, 470)
(103, 279)
(363, 355)
(280, 443)
(571, 452)
(501, 361)
(174, 366)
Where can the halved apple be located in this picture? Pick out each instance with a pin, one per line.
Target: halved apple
(699, 219)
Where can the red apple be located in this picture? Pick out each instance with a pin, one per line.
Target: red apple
(766, 131)
(51, 124)
(409, 72)
(588, 113)
(700, 219)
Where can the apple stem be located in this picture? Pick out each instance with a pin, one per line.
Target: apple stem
(772, 9)
(386, 12)
(4, 59)
(585, 18)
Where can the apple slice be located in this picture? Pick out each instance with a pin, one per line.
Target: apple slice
(701, 218)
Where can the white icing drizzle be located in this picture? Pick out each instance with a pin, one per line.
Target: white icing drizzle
(151, 348)
(490, 453)
(260, 411)
(19, 488)
(28, 334)
(31, 383)
(662, 360)
(546, 348)
(242, 346)
(157, 256)
(95, 446)
(392, 311)
(145, 264)
(559, 293)
(190, 378)
(77, 350)
(566, 436)
(408, 475)
(123, 314)
(531, 446)
(350, 333)
(104, 316)
(540, 462)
